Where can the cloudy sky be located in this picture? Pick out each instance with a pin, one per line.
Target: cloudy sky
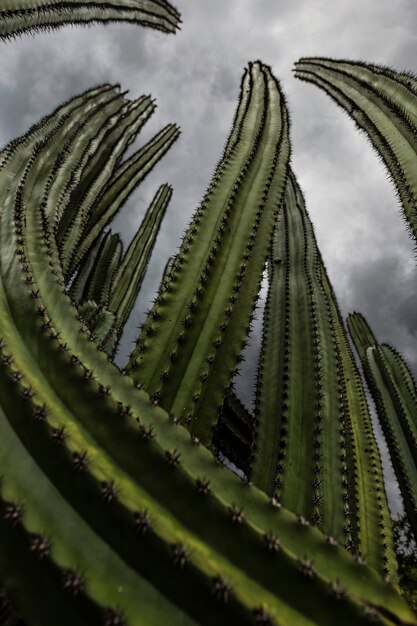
(195, 78)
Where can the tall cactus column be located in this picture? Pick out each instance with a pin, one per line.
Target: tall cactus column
(394, 391)
(190, 344)
(312, 421)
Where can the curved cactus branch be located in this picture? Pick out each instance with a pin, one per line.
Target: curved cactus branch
(187, 364)
(23, 16)
(384, 105)
(110, 512)
(314, 446)
(395, 394)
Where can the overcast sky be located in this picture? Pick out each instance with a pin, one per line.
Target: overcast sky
(195, 78)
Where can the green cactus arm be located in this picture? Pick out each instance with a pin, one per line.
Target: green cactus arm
(95, 174)
(188, 364)
(76, 149)
(395, 395)
(383, 106)
(398, 378)
(298, 436)
(312, 423)
(129, 276)
(99, 153)
(404, 387)
(297, 443)
(23, 16)
(122, 183)
(389, 86)
(361, 333)
(100, 281)
(104, 114)
(395, 422)
(369, 508)
(55, 377)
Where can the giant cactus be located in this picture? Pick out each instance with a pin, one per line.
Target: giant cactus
(111, 513)
(395, 394)
(21, 16)
(383, 103)
(314, 445)
(190, 344)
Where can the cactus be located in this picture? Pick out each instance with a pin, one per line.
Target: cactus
(111, 513)
(23, 16)
(383, 103)
(187, 364)
(130, 274)
(314, 446)
(394, 391)
(106, 286)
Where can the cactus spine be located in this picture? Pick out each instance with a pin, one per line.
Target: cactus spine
(187, 364)
(22, 16)
(383, 103)
(394, 391)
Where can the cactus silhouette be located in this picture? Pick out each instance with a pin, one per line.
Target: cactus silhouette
(187, 364)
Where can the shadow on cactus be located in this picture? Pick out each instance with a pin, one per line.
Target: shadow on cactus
(112, 512)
